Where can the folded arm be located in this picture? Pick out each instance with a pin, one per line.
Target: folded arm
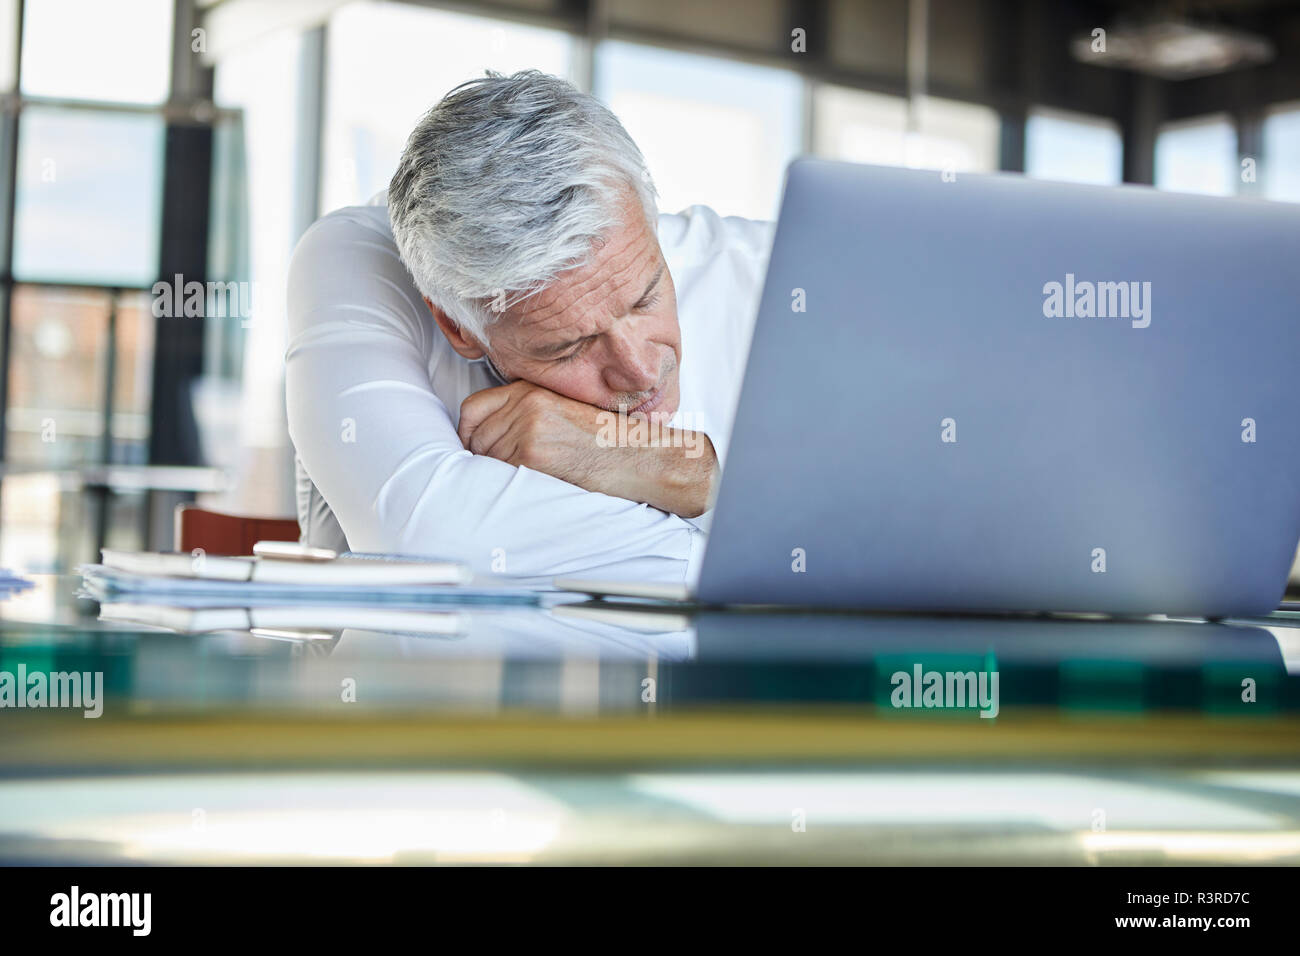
(629, 456)
(383, 450)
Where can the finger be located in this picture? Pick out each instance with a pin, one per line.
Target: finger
(479, 406)
(509, 447)
(490, 430)
(506, 435)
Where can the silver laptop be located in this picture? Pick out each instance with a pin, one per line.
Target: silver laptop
(1009, 395)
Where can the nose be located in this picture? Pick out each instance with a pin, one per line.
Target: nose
(634, 362)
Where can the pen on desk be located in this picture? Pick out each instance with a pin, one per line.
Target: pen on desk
(292, 551)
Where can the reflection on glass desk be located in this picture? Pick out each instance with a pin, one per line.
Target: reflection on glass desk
(601, 731)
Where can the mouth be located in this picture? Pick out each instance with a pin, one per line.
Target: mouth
(653, 402)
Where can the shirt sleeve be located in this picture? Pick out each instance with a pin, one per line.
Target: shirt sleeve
(382, 449)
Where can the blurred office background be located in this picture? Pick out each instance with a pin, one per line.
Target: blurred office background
(142, 140)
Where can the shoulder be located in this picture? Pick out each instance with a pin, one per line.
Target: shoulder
(347, 226)
(346, 266)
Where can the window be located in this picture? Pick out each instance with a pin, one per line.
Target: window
(1281, 172)
(859, 127)
(1073, 147)
(1198, 157)
(265, 164)
(87, 219)
(951, 135)
(373, 102)
(59, 370)
(863, 127)
(712, 131)
(89, 197)
(228, 242)
(96, 50)
(258, 160)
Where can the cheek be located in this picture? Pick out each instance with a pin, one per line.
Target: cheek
(670, 335)
(579, 380)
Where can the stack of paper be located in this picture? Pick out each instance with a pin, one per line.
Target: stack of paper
(211, 581)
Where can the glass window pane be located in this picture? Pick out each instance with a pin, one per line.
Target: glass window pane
(228, 246)
(89, 197)
(1072, 147)
(963, 137)
(1198, 157)
(95, 50)
(713, 131)
(1281, 179)
(59, 338)
(859, 127)
(373, 102)
(256, 164)
(258, 167)
(863, 127)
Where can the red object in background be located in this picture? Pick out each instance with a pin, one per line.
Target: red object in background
(218, 533)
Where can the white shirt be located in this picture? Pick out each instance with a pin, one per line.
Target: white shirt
(373, 394)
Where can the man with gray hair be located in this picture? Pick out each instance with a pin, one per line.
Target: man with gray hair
(518, 362)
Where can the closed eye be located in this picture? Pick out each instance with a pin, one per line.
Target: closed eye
(572, 353)
(650, 296)
(646, 304)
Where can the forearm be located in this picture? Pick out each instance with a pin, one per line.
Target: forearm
(626, 456)
(436, 499)
(399, 481)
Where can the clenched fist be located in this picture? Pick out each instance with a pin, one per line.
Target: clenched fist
(526, 425)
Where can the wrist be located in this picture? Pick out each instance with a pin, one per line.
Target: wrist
(684, 473)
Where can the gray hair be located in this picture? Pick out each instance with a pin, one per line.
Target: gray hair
(505, 183)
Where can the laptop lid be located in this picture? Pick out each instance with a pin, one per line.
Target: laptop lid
(995, 393)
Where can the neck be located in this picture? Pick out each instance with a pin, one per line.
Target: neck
(493, 370)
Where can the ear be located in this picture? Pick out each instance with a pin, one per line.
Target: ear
(466, 346)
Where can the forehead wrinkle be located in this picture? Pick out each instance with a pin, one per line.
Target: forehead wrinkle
(624, 274)
(593, 280)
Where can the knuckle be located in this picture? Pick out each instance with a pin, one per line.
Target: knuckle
(530, 451)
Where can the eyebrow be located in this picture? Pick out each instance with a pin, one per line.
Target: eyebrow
(558, 347)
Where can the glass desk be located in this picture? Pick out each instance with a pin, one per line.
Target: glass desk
(595, 732)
